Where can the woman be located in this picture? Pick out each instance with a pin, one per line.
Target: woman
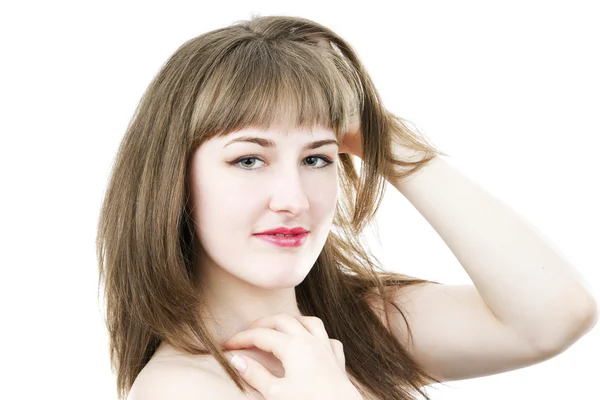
(224, 231)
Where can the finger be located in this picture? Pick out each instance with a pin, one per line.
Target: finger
(315, 326)
(262, 338)
(321, 41)
(282, 322)
(338, 350)
(255, 374)
(298, 325)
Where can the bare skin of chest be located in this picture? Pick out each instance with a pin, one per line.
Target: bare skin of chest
(165, 355)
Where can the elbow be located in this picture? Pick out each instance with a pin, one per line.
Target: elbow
(581, 319)
(590, 315)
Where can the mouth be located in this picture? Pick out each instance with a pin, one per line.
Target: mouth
(280, 234)
(284, 240)
(284, 231)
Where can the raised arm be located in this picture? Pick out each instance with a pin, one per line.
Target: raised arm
(527, 303)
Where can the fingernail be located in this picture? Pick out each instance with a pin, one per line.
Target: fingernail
(239, 363)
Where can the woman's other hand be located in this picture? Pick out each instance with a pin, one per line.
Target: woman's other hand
(352, 142)
(314, 364)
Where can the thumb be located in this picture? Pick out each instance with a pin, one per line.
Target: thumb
(254, 373)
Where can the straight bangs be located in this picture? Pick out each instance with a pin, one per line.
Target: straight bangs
(281, 84)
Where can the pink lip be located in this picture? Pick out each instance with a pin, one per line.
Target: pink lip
(284, 241)
(284, 231)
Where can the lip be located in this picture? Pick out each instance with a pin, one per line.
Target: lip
(284, 231)
(294, 240)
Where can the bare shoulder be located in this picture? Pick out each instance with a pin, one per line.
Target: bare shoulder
(174, 376)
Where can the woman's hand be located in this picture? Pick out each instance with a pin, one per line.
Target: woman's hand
(314, 364)
(352, 142)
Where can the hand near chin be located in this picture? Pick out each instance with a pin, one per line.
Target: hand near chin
(314, 364)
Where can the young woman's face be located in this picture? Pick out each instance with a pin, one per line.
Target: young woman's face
(252, 181)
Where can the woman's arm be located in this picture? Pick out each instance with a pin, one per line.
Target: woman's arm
(527, 303)
(521, 277)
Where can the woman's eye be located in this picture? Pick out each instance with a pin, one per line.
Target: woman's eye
(248, 162)
(314, 160)
(311, 161)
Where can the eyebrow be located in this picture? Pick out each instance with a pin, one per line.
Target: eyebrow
(270, 144)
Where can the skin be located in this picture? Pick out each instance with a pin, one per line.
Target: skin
(459, 331)
(238, 189)
(235, 196)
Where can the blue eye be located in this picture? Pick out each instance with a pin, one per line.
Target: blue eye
(249, 162)
(244, 165)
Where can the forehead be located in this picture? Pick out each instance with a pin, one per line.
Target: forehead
(272, 136)
(269, 138)
(275, 133)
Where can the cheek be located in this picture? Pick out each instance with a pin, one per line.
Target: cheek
(322, 195)
(226, 209)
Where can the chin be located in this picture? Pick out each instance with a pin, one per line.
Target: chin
(278, 275)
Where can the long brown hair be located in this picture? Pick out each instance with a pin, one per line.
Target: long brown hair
(264, 71)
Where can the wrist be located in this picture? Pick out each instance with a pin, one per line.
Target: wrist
(402, 153)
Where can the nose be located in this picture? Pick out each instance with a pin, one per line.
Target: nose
(288, 194)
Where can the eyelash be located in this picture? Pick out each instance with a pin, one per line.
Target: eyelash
(327, 161)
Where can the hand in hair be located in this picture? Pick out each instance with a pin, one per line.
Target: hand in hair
(314, 364)
(352, 141)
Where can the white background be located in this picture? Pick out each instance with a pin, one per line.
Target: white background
(509, 89)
